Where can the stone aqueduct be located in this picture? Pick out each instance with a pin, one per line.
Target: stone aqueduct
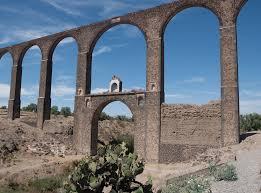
(151, 115)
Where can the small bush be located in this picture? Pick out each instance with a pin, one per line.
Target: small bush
(45, 185)
(54, 110)
(66, 111)
(250, 122)
(127, 139)
(226, 173)
(30, 108)
(123, 118)
(189, 185)
(104, 116)
(3, 107)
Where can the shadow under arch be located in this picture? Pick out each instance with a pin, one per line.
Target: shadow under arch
(186, 7)
(95, 121)
(108, 27)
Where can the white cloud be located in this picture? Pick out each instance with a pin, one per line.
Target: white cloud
(99, 90)
(251, 93)
(102, 50)
(195, 80)
(5, 40)
(68, 7)
(65, 79)
(62, 90)
(250, 106)
(177, 96)
(19, 35)
(4, 90)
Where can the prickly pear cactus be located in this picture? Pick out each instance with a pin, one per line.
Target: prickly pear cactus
(113, 167)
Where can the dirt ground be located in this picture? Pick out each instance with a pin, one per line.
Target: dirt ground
(27, 152)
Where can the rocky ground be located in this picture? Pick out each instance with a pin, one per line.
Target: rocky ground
(27, 152)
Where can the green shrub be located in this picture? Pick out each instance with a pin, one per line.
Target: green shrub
(123, 118)
(226, 173)
(45, 185)
(3, 107)
(250, 122)
(112, 167)
(66, 111)
(30, 108)
(188, 185)
(104, 116)
(127, 139)
(54, 110)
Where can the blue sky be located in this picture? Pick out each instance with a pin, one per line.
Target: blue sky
(192, 64)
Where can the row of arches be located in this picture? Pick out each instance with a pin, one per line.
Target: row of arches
(177, 71)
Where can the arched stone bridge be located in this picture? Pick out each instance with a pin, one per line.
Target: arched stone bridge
(148, 116)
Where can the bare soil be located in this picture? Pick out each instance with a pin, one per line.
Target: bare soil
(27, 152)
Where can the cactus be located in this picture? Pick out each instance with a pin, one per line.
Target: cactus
(114, 167)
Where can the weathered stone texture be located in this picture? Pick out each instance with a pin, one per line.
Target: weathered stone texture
(188, 129)
(151, 117)
(191, 124)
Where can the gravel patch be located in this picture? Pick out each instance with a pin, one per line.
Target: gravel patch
(248, 167)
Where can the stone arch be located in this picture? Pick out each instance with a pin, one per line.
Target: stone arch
(95, 119)
(53, 48)
(188, 6)
(57, 41)
(111, 25)
(28, 47)
(34, 72)
(5, 54)
(238, 10)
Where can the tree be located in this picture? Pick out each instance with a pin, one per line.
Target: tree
(30, 108)
(54, 110)
(3, 107)
(250, 122)
(104, 116)
(66, 111)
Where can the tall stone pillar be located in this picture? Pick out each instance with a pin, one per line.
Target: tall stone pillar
(229, 84)
(44, 100)
(82, 125)
(15, 89)
(154, 97)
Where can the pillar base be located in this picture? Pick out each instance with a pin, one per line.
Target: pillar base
(43, 111)
(13, 109)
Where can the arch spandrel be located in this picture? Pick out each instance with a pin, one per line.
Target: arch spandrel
(3, 52)
(238, 7)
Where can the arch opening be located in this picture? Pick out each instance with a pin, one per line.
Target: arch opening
(185, 9)
(191, 69)
(6, 63)
(113, 122)
(31, 64)
(63, 89)
(117, 49)
(248, 34)
(192, 80)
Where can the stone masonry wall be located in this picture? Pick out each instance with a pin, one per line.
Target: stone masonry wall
(186, 129)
